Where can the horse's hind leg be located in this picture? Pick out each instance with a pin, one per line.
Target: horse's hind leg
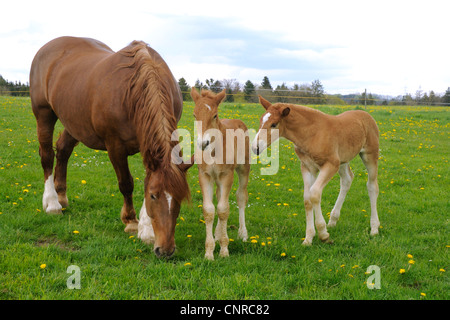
(371, 162)
(119, 160)
(45, 120)
(64, 148)
(242, 198)
(346, 176)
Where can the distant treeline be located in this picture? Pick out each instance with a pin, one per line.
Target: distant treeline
(306, 93)
(9, 88)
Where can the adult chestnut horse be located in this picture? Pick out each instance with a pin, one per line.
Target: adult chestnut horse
(325, 145)
(123, 102)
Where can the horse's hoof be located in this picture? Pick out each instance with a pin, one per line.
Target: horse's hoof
(132, 227)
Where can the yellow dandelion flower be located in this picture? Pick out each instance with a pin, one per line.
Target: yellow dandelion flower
(283, 254)
(189, 236)
(83, 182)
(320, 260)
(423, 294)
(411, 262)
(442, 270)
(410, 256)
(187, 264)
(263, 244)
(75, 231)
(402, 271)
(43, 266)
(254, 241)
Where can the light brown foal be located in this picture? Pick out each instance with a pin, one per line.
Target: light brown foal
(325, 144)
(223, 147)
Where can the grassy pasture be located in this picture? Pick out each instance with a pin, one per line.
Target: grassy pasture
(411, 250)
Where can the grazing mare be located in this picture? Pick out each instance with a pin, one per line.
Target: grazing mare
(325, 144)
(124, 102)
(222, 148)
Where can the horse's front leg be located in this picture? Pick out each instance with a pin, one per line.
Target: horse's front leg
(119, 160)
(207, 186)
(223, 212)
(327, 171)
(64, 148)
(308, 180)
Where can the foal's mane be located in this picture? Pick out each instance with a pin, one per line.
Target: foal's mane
(149, 102)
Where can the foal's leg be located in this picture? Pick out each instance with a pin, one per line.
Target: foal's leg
(242, 198)
(46, 119)
(207, 185)
(309, 177)
(346, 181)
(64, 148)
(119, 160)
(327, 171)
(225, 183)
(371, 163)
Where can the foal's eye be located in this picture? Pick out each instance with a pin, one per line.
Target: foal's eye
(273, 125)
(215, 117)
(153, 196)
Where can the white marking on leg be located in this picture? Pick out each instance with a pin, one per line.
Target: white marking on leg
(145, 228)
(50, 198)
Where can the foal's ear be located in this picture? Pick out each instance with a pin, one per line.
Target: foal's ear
(285, 111)
(266, 104)
(220, 96)
(194, 94)
(184, 166)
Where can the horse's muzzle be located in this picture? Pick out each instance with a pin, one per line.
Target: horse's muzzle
(160, 253)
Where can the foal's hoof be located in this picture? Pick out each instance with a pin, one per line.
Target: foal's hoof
(328, 240)
(132, 227)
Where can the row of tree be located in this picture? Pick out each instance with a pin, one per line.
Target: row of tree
(307, 93)
(9, 88)
(304, 93)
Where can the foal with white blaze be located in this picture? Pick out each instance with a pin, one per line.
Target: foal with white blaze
(229, 153)
(325, 144)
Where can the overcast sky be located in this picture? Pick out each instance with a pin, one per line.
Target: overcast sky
(389, 47)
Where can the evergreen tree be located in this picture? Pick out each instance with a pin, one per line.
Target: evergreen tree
(185, 89)
(265, 84)
(446, 96)
(249, 92)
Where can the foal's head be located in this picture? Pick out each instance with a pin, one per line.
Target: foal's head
(165, 189)
(269, 125)
(205, 113)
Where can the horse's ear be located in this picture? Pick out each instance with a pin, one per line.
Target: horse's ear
(266, 104)
(285, 111)
(184, 166)
(194, 94)
(220, 96)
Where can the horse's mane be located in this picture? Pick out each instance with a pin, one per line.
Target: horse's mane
(149, 102)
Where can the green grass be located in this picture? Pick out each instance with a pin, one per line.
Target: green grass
(413, 208)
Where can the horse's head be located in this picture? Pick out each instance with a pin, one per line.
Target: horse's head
(165, 190)
(269, 125)
(205, 113)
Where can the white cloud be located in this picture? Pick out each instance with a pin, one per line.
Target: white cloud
(349, 45)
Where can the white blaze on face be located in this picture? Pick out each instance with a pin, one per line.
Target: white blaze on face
(145, 228)
(169, 198)
(209, 108)
(262, 144)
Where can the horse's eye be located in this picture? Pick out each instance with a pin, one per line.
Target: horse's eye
(215, 117)
(273, 125)
(153, 196)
